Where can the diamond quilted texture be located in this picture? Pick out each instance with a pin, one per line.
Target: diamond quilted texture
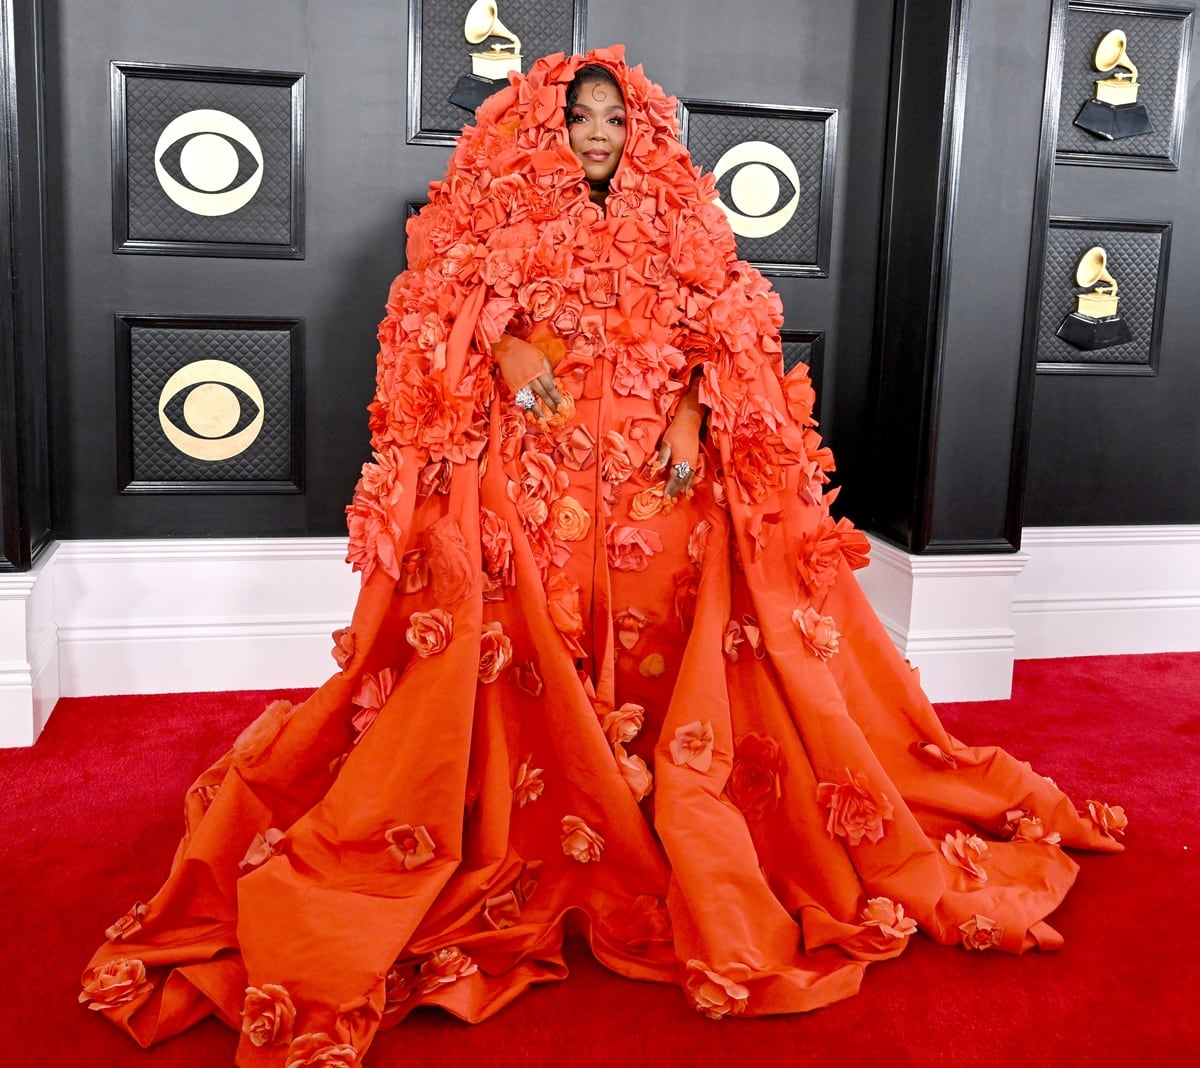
(1155, 44)
(1133, 259)
(544, 28)
(796, 352)
(151, 103)
(710, 135)
(264, 354)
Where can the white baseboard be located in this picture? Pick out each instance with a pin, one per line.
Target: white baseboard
(950, 616)
(177, 616)
(29, 668)
(1106, 590)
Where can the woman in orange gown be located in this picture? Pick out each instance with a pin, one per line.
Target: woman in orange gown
(609, 669)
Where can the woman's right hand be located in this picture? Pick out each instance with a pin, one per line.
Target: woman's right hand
(522, 364)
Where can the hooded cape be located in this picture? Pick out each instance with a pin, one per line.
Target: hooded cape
(565, 700)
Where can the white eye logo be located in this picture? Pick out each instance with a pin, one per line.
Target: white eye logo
(220, 405)
(752, 194)
(208, 162)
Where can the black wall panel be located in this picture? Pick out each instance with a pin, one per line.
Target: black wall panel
(1125, 449)
(359, 174)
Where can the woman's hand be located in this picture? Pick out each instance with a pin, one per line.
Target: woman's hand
(681, 445)
(524, 365)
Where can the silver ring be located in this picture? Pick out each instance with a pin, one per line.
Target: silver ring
(525, 398)
(682, 469)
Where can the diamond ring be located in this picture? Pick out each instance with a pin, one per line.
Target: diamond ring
(682, 469)
(525, 398)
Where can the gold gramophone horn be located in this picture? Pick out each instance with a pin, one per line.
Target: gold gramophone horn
(483, 21)
(1110, 53)
(1093, 268)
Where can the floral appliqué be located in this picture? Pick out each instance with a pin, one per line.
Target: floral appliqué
(693, 745)
(409, 846)
(579, 841)
(981, 932)
(114, 983)
(268, 1015)
(888, 916)
(965, 851)
(713, 994)
(1111, 819)
(855, 812)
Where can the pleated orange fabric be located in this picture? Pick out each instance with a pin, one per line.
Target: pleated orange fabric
(566, 701)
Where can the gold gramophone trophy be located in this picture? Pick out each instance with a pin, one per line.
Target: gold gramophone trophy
(1095, 322)
(1115, 111)
(490, 67)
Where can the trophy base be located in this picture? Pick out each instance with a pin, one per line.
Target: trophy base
(1114, 121)
(471, 90)
(1090, 334)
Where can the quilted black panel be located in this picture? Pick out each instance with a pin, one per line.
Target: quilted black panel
(1154, 47)
(156, 353)
(1133, 260)
(151, 103)
(544, 27)
(711, 134)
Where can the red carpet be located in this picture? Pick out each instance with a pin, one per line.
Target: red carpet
(89, 818)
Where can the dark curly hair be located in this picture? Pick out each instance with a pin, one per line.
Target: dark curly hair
(592, 72)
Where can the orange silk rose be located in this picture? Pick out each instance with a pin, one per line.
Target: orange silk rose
(579, 841)
(430, 632)
(268, 1015)
(855, 812)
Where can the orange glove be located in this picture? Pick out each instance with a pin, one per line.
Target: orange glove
(681, 443)
(522, 364)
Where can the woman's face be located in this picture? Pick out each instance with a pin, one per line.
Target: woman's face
(596, 124)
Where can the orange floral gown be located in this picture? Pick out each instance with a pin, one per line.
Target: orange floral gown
(567, 702)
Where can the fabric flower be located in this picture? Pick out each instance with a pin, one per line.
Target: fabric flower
(268, 1015)
(128, 925)
(643, 923)
(262, 848)
(713, 994)
(981, 932)
(855, 812)
(563, 605)
(633, 769)
(527, 678)
(1020, 826)
(652, 666)
(495, 651)
(114, 983)
(629, 625)
(966, 851)
(256, 738)
(430, 632)
(496, 542)
(450, 563)
(623, 724)
(571, 521)
(819, 632)
(529, 784)
(693, 745)
(1111, 819)
(630, 548)
(502, 911)
(888, 916)
(316, 1049)
(648, 503)
(754, 781)
(579, 841)
(698, 542)
(409, 846)
(370, 697)
(343, 646)
(615, 463)
(445, 966)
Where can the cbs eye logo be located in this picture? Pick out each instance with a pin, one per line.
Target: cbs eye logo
(758, 187)
(208, 162)
(211, 410)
